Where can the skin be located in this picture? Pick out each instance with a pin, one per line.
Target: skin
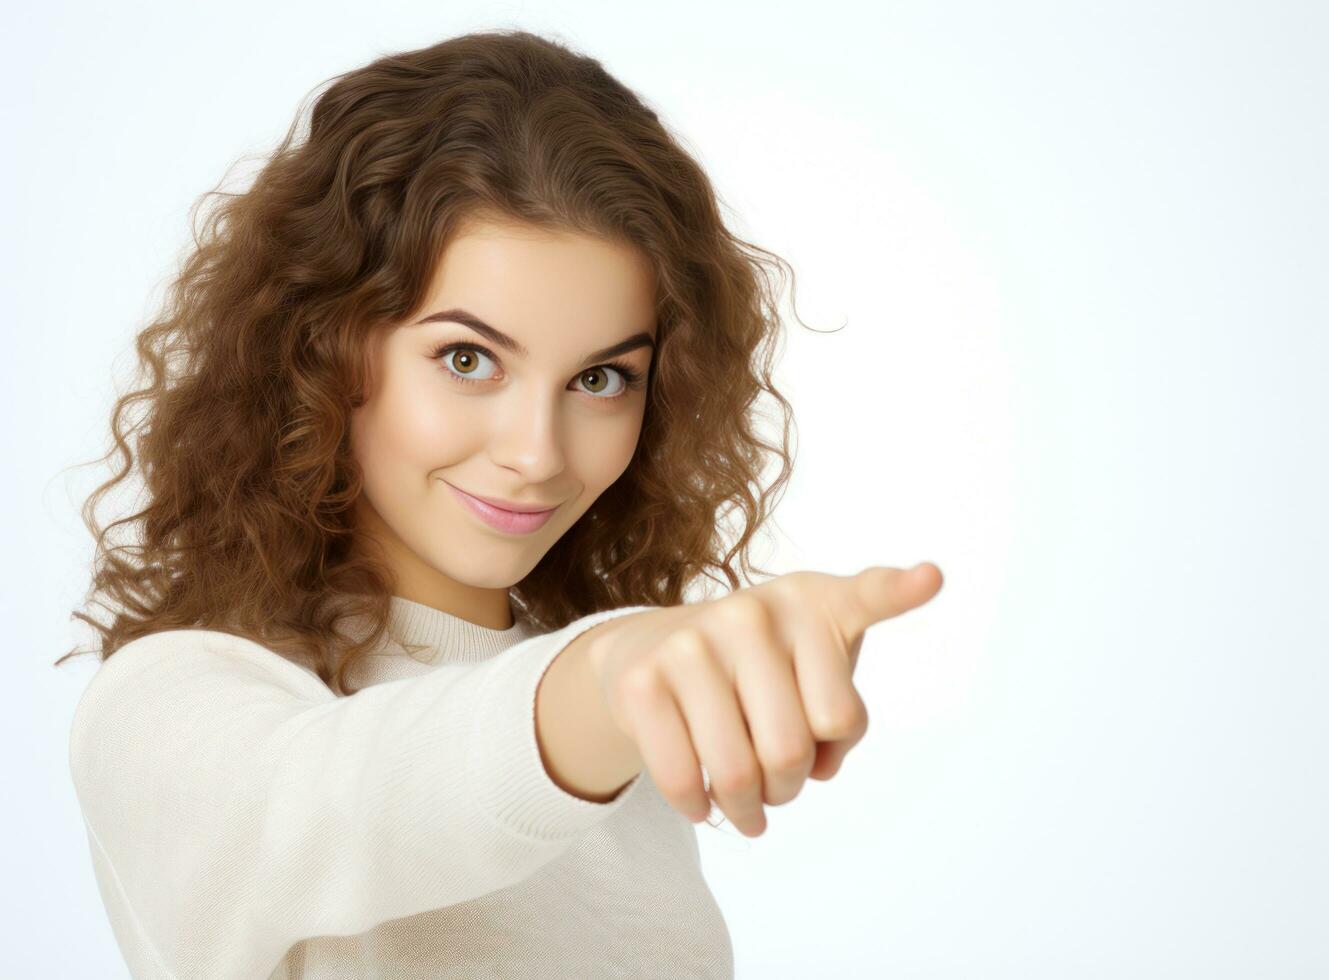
(536, 430)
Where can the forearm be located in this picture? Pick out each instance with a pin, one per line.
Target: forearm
(582, 749)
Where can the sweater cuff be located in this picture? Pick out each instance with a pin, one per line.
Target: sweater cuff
(503, 760)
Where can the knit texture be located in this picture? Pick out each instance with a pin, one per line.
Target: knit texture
(245, 822)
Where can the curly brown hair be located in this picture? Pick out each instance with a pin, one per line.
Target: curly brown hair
(257, 358)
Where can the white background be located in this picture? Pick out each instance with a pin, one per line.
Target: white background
(1078, 250)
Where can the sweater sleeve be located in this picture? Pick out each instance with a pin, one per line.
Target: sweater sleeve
(239, 806)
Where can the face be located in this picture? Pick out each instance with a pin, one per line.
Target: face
(547, 423)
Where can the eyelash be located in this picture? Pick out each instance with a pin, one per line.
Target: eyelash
(632, 378)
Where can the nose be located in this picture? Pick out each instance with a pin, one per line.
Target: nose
(527, 437)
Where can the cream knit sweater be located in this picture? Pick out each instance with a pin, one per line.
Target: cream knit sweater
(244, 822)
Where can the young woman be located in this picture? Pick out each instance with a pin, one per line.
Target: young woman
(401, 680)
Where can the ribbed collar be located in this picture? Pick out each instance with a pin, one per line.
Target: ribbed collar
(430, 635)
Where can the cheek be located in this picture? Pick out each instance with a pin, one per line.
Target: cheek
(408, 433)
(603, 453)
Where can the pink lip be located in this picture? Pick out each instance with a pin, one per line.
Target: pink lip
(514, 522)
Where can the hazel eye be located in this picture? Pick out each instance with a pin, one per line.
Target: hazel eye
(467, 362)
(599, 374)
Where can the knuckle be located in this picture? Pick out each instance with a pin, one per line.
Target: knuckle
(734, 779)
(685, 639)
(791, 588)
(787, 794)
(638, 682)
(682, 790)
(799, 579)
(742, 613)
(793, 757)
(845, 722)
(687, 647)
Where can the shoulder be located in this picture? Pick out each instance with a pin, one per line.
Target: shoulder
(169, 658)
(176, 680)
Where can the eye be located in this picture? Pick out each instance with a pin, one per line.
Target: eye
(465, 364)
(600, 372)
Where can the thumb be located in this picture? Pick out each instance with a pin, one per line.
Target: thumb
(882, 592)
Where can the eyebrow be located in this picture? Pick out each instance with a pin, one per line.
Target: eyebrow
(468, 319)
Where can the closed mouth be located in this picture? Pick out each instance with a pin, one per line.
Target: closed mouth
(506, 505)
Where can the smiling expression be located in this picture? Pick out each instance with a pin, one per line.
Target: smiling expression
(522, 379)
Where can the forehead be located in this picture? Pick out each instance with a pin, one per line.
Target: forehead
(520, 277)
